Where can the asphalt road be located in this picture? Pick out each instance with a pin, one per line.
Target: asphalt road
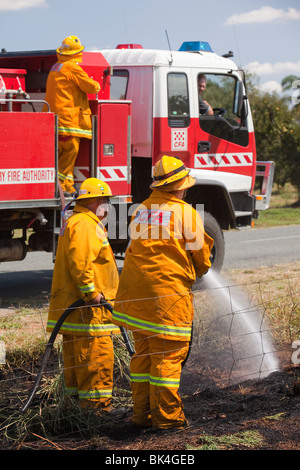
(261, 247)
(243, 249)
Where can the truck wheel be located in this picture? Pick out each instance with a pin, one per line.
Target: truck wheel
(213, 229)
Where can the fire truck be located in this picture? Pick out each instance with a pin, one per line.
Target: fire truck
(148, 106)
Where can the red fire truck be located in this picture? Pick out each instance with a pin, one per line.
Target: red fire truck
(148, 106)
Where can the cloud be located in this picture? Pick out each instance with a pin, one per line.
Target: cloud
(278, 68)
(263, 15)
(15, 5)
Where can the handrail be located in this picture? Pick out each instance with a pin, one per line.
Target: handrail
(24, 100)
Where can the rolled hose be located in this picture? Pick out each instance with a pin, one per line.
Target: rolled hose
(49, 347)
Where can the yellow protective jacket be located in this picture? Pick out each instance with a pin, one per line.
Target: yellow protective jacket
(168, 250)
(84, 267)
(66, 93)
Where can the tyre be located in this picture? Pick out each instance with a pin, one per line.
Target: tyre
(213, 229)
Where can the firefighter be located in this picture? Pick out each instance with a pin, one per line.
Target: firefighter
(168, 250)
(85, 268)
(66, 93)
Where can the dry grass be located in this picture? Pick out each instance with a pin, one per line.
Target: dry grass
(23, 330)
(277, 290)
(283, 210)
(284, 197)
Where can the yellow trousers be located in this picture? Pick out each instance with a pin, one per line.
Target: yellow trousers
(155, 372)
(88, 369)
(68, 148)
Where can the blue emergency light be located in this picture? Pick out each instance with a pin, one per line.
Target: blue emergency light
(196, 46)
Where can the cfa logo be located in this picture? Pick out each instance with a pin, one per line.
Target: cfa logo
(296, 353)
(179, 139)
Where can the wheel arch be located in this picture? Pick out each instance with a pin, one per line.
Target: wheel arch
(215, 200)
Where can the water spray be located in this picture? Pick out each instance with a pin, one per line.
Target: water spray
(243, 327)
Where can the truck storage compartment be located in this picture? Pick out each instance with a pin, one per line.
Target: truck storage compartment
(27, 149)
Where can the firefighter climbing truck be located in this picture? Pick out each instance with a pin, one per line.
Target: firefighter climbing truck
(148, 106)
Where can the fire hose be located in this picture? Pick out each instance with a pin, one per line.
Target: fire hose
(49, 347)
(189, 349)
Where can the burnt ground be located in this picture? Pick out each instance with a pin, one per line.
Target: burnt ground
(268, 409)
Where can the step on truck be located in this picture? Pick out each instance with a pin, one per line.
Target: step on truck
(148, 106)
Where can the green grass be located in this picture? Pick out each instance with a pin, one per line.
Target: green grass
(247, 440)
(278, 217)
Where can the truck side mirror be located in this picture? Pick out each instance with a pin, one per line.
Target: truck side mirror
(238, 100)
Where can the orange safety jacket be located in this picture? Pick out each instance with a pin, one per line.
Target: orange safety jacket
(84, 267)
(168, 250)
(66, 93)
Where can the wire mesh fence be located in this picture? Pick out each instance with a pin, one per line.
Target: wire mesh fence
(243, 329)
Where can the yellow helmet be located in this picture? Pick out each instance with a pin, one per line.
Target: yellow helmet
(70, 46)
(93, 187)
(170, 174)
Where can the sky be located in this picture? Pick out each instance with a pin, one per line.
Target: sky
(263, 35)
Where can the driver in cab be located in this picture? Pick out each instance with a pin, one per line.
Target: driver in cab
(204, 106)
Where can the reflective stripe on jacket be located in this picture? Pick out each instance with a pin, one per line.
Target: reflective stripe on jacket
(84, 267)
(168, 249)
(66, 93)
